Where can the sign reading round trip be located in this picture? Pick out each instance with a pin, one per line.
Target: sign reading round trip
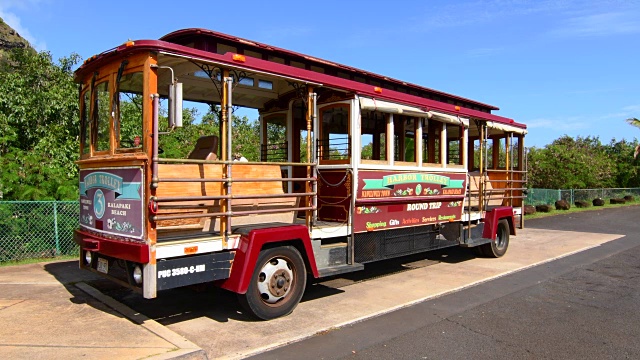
(387, 200)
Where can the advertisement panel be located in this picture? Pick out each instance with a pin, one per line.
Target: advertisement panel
(111, 201)
(387, 200)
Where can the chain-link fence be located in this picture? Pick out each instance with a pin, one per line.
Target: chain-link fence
(37, 229)
(44, 229)
(550, 196)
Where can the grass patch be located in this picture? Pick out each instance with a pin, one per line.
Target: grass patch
(38, 260)
(575, 209)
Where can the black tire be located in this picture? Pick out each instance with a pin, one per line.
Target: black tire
(498, 247)
(277, 283)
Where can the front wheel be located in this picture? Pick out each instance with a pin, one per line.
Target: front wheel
(498, 247)
(277, 283)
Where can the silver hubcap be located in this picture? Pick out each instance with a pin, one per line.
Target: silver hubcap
(274, 281)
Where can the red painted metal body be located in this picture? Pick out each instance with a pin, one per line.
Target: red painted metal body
(126, 250)
(249, 248)
(491, 221)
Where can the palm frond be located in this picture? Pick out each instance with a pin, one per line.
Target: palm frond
(633, 121)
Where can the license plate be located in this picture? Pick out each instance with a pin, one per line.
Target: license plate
(103, 265)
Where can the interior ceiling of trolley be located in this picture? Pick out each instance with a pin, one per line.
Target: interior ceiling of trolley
(198, 87)
(254, 90)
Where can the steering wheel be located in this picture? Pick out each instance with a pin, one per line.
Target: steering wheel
(126, 143)
(130, 144)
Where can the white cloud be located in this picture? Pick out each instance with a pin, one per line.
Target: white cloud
(560, 124)
(9, 17)
(473, 12)
(602, 24)
(624, 113)
(632, 109)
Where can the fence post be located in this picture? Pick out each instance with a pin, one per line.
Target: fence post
(55, 227)
(572, 198)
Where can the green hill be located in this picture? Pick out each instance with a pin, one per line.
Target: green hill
(10, 39)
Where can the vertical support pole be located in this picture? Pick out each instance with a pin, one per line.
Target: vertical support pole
(55, 227)
(228, 82)
(401, 139)
(431, 142)
(495, 153)
(154, 129)
(311, 142)
(443, 145)
(224, 119)
(483, 155)
(507, 167)
(522, 166)
(263, 138)
(471, 164)
(311, 119)
(390, 139)
(464, 147)
(419, 123)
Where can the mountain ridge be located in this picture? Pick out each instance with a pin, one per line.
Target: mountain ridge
(10, 39)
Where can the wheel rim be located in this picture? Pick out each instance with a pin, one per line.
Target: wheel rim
(275, 280)
(501, 238)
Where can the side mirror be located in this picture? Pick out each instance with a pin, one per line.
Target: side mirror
(175, 105)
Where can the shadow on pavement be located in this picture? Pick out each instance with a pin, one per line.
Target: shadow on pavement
(206, 300)
(68, 274)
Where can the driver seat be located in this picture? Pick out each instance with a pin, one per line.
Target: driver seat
(205, 148)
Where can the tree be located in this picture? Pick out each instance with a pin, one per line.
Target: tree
(621, 154)
(39, 127)
(179, 143)
(569, 163)
(635, 122)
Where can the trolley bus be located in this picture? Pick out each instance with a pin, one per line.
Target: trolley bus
(368, 168)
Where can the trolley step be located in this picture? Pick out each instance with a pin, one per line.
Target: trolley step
(340, 269)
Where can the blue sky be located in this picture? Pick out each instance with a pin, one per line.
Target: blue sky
(561, 67)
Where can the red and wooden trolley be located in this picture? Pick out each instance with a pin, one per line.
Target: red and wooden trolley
(368, 168)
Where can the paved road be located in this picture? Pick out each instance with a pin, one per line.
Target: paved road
(584, 306)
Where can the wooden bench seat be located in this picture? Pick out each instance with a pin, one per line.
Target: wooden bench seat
(197, 188)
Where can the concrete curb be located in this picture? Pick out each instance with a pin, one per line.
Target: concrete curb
(185, 348)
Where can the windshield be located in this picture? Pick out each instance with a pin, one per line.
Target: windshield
(128, 123)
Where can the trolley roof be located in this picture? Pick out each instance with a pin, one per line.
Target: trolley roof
(200, 45)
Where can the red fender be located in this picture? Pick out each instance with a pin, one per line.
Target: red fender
(249, 248)
(491, 221)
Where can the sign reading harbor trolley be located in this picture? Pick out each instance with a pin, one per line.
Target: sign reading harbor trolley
(111, 201)
(407, 199)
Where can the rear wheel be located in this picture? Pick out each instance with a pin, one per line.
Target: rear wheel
(499, 246)
(277, 283)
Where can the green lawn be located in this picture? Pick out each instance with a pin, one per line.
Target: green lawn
(38, 260)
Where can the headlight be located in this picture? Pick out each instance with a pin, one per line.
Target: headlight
(88, 257)
(137, 275)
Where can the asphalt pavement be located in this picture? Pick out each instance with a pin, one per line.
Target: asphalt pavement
(584, 306)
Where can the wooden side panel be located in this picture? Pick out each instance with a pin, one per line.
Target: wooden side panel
(517, 202)
(189, 171)
(215, 171)
(496, 182)
(494, 196)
